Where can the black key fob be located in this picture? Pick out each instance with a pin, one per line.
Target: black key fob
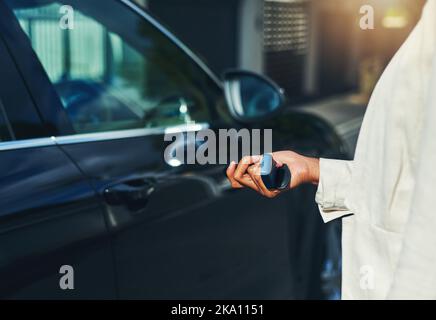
(273, 177)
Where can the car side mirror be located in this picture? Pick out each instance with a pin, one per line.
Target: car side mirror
(252, 97)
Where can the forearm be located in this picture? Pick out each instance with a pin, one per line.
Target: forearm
(312, 170)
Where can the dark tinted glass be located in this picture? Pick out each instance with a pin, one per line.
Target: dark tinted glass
(112, 69)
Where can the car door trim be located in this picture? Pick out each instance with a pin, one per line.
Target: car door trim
(6, 120)
(99, 136)
(124, 134)
(27, 143)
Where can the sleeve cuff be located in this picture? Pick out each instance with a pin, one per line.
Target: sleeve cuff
(334, 184)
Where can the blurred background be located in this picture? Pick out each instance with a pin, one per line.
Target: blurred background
(314, 49)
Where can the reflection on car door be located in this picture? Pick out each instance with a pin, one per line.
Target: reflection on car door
(49, 214)
(176, 233)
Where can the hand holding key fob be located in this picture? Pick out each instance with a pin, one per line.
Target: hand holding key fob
(274, 178)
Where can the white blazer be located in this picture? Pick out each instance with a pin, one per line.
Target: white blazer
(388, 190)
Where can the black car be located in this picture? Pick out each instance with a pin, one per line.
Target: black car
(87, 91)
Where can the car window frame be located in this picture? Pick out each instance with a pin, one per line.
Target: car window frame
(10, 99)
(4, 118)
(35, 79)
(64, 133)
(3, 114)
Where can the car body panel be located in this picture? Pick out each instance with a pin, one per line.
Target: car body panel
(50, 218)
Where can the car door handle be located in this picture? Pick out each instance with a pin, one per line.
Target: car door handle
(134, 196)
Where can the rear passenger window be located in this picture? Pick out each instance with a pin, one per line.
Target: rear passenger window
(113, 70)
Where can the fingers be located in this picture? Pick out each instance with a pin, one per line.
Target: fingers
(247, 174)
(244, 164)
(254, 172)
(241, 175)
(246, 181)
(230, 172)
(240, 181)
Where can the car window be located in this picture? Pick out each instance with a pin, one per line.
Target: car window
(112, 69)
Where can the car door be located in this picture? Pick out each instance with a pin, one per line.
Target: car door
(51, 223)
(177, 231)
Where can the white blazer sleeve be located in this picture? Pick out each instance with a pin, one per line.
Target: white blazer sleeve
(334, 182)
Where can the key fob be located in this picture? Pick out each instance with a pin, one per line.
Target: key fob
(273, 177)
